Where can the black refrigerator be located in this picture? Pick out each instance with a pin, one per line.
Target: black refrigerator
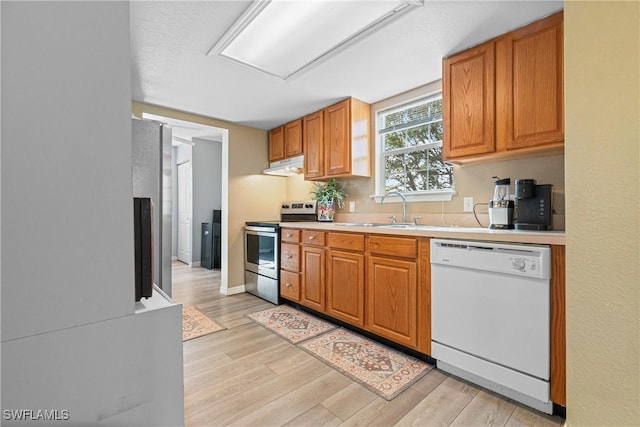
(211, 245)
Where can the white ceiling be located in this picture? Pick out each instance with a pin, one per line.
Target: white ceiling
(170, 39)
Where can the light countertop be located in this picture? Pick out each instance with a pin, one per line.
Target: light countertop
(461, 233)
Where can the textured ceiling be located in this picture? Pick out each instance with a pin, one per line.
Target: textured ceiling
(169, 42)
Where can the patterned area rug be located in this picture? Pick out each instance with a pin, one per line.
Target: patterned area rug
(291, 324)
(384, 371)
(195, 324)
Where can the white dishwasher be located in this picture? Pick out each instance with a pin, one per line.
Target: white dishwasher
(490, 316)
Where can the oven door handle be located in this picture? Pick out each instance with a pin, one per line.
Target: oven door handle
(261, 231)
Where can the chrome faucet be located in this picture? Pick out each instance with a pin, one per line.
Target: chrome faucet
(404, 203)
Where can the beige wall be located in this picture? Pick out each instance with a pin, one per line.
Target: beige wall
(603, 232)
(251, 195)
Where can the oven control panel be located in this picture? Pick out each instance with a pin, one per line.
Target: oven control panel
(301, 207)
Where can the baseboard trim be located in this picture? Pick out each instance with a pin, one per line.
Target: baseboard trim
(232, 291)
(194, 264)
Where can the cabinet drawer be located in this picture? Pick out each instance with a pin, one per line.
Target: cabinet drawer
(290, 285)
(289, 235)
(393, 246)
(349, 241)
(311, 237)
(290, 259)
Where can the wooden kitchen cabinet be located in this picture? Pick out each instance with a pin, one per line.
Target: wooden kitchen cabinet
(276, 144)
(504, 98)
(313, 286)
(529, 97)
(379, 283)
(558, 326)
(468, 98)
(313, 140)
(345, 286)
(345, 277)
(290, 285)
(285, 141)
(337, 141)
(290, 256)
(293, 138)
(391, 305)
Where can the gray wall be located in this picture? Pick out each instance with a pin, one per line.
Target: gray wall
(207, 186)
(71, 338)
(67, 209)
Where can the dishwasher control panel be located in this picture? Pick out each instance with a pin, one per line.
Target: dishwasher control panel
(523, 260)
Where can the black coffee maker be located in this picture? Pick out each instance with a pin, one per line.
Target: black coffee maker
(533, 210)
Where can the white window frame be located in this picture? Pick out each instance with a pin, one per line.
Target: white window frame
(422, 196)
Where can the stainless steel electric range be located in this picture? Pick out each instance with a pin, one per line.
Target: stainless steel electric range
(262, 249)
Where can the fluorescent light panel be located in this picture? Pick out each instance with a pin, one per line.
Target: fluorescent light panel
(282, 37)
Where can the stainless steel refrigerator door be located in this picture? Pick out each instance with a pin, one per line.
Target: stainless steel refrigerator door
(151, 163)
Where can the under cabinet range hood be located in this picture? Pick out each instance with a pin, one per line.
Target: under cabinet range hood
(287, 167)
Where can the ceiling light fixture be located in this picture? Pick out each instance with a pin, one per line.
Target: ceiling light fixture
(283, 37)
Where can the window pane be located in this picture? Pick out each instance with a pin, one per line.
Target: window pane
(418, 180)
(394, 165)
(441, 179)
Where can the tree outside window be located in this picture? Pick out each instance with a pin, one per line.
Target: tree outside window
(411, 148)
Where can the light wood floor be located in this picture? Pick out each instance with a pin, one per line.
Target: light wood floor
(248, 376)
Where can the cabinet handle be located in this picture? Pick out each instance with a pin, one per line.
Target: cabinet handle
(289, 234)
(287, 285)
(312, 237)
(289, 256)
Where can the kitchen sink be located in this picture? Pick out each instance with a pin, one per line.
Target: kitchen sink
(359, 224)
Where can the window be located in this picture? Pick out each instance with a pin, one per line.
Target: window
(410, 150)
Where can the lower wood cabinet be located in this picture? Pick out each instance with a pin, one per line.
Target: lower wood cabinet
(313, 286)
(391, 303)
(290, 285)
(345, 286)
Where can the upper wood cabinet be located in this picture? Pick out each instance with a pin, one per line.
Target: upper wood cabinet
(276, 144)
(504, 98)
(285, 141)
(293, 138)
(469, 94)
(337, 141)
(530, 101)
(313, 137)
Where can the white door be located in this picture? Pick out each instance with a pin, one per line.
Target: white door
(184, 212)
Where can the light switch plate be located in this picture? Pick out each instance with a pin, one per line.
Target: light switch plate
(352, 206)
(468, 204)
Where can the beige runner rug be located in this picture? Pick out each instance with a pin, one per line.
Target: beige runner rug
(383, 370)
(291, 324)
(195, 324)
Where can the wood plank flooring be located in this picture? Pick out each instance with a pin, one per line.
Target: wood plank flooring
(248, 376)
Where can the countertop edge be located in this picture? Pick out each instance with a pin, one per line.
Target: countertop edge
(460, 233)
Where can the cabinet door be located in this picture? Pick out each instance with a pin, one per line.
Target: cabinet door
(276, 144)
(469, 102)
(313, 141)
(293, 138)
(530, 102)
(391, 309)
(337, 138)
(313, 278)
(345, 286)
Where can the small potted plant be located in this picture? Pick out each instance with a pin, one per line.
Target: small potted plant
(328, 196)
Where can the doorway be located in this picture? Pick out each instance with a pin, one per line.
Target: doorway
(194, 143)
(185, 201)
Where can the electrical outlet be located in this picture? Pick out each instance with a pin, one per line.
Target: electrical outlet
(468, 204)
(352, 206)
